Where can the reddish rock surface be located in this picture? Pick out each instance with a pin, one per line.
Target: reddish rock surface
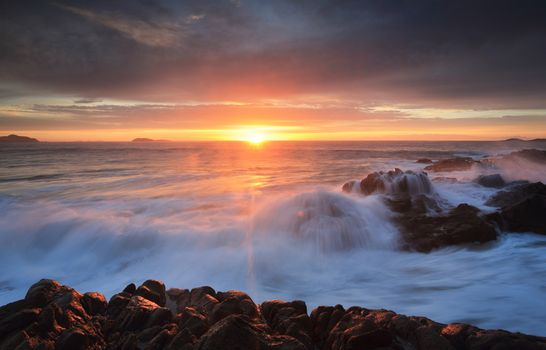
(53, 316)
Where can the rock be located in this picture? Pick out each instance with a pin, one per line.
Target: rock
(94, 303)
(396, 182)
(233, 303)
(453, 164)
(117, 304)
(159, 317)
(47, 321)
(70, 320)
(184, 340)
(18, 139)
(177, 299)
(351, 186)
(163, 338)
(42, 292)
(533, 155)
(135, 316)
(522, 208)
(528, 215)
(237, 332)
(152, 290)
(203, 298)
(130, 289)
(424, 161)
(194, 321)
(289, 318)
(516, 193)
(494, 181)
(73, 339)
(18, 321)
(463, 224)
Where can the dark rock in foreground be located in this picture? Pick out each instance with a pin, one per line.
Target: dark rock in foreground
(17, 138)
(452, 164)
(57, 317)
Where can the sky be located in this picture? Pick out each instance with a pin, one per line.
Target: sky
(279, 69)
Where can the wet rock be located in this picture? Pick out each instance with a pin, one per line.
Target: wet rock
(194, 321)
(73, 339)
(396, 182)
(323, 320)
(516, 193)
(163, 338)
(184, 340)
(494, 181)
(203, 298)
(18, 321)
(42, 292)
(47, 321)
(522, 208)
(233, 303)
(533, 155)
(152, 290)
(351, 186)
(462, 224)
(94, 303)
(528, 215)
(452, 164)
(160, 317)
(289, 318)
(239, 332)
(135, 316)
(117, 304)
(424, 161)
(130, 289)
(177, 299)
(70, 320)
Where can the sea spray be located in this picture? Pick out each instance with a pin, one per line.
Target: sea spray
(328, 221)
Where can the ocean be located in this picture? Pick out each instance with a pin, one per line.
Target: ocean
(97, 216)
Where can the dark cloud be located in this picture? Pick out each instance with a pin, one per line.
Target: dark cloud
(454, 53)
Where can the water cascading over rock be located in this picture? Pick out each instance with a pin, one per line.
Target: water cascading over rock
(392, 182)
(328, 221)
(425, 221)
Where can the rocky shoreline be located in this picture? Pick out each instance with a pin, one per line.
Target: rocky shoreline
(52, 316)
(427, 222)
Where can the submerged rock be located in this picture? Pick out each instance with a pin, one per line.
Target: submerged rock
(63, 323)
(494, 181)
(533, 155)
(463, 224)
(453, 164)
(424, 161)
(523, 208)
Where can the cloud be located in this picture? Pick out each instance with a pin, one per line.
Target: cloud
(459, 54)
(151, 34)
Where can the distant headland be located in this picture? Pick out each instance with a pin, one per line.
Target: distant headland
(17, 138)
(143, 139)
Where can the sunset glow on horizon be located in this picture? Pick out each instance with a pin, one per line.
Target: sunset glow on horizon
(203, 71)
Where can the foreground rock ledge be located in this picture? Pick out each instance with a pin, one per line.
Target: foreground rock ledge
(53, 316)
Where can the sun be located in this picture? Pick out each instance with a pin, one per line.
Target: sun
(255, 138)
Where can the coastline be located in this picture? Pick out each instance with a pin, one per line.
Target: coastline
(52, 316)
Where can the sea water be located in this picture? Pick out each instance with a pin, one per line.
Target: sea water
(267, 219)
